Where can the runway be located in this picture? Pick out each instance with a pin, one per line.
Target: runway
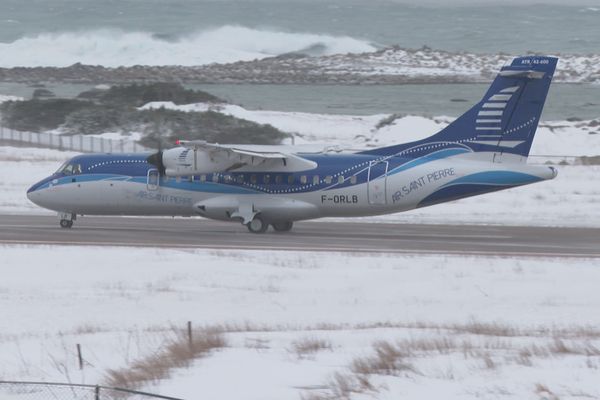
(306, 236)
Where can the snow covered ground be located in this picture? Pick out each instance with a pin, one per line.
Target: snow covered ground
(306, 324)
(318, 326)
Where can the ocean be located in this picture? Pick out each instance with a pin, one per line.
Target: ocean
(186, 32)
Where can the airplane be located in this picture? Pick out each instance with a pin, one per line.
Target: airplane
(482, 151)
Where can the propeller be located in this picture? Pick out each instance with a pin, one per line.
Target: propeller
(156, 159)
(155, 135)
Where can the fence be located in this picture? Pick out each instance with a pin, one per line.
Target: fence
(80, 143)
(16, 390)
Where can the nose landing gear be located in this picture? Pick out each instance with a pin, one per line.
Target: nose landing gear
(66, 220)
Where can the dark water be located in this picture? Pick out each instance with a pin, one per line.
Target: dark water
(490, 29)
(564, 100)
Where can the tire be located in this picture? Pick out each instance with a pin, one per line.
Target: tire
(65, 223)
(257, 225)
(284, 226)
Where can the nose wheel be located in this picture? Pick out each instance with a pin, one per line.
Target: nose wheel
(66, 220)
(65, 223)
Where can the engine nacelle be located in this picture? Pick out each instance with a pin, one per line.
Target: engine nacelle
(182, 161)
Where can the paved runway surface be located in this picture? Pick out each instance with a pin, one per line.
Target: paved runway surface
(309, 236)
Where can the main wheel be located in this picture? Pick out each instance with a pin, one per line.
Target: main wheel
(66, 223)
(284, 226)
(257, 225)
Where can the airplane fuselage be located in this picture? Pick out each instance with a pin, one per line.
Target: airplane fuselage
(341, 186)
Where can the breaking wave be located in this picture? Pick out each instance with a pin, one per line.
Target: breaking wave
(113, 48)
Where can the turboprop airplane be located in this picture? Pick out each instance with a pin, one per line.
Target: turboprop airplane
(482, 151)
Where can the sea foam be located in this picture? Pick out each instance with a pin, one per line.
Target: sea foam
(113, 48)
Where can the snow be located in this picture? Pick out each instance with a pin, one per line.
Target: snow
(4, 98)
(128, 136)
(121, 304)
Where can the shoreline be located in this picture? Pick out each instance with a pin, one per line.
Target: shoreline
(391, 66)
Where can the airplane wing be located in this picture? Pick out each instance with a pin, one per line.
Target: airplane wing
(242, 152)
(198, 156)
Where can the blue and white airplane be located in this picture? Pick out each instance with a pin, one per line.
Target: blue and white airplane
(482, 151)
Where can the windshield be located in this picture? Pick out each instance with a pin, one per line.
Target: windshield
(69, 168)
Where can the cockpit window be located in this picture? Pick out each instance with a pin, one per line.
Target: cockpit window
(70, 169)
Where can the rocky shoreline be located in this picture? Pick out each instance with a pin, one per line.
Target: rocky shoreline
(388, 66)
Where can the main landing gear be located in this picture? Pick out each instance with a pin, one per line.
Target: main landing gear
(257, 225)
(260, 225)
(284, 226)
(66, 220)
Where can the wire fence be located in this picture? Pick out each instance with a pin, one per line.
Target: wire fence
(17, 390)
(79, 143)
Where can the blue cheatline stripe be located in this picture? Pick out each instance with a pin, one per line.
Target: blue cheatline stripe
(64, 180)
(478, 183)
(438, 155)
(459, 191)
(207, 187)
(510, 178)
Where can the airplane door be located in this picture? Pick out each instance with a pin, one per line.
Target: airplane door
(377, 186)
(153, 179)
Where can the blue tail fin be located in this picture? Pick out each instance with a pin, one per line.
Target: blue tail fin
(505, 120)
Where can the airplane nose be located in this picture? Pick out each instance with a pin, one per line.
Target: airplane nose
(33, 193)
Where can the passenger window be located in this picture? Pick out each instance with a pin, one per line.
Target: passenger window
(303, 179)
(353, 179)
(240, 179)
(178, 179)
(253, 179)
(266, 178)
(202, 178)
(215, 177)
(328, 179)
(278, 179)
(290, 179)
(316, 180)
(191, 178)
(340, 179)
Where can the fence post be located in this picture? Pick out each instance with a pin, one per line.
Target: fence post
(189, 332)
(81, 142)
(79, 356)
(97, 393)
